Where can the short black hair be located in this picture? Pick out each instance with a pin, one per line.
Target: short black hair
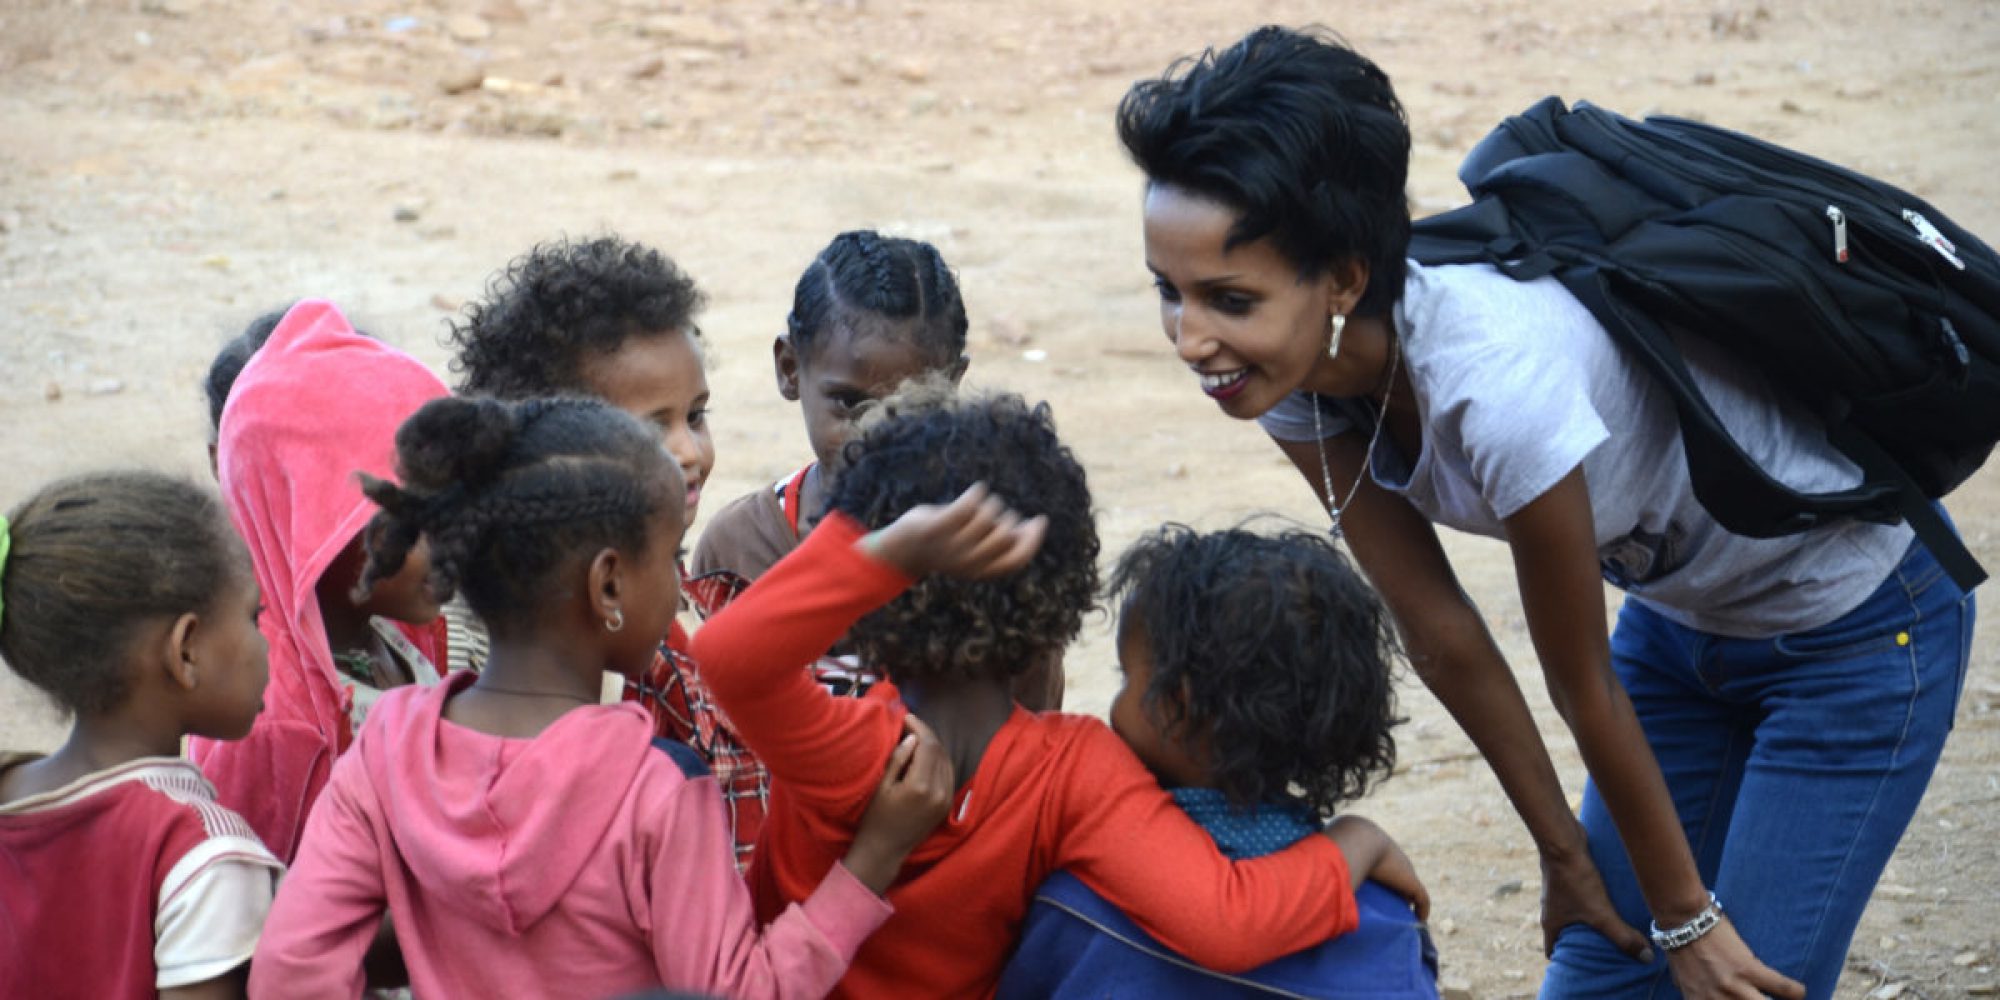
(509, 492)
(229, 362)
(1268, 652)
(1299, 134)
(866, 280)
(563, 303)
(945, 627)
(91, 559)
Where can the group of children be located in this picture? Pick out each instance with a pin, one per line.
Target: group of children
(384, 649)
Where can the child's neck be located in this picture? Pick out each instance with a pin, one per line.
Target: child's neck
(95, 743)
(965, 713)
(812, 497)
(348, 628)
(527, 684)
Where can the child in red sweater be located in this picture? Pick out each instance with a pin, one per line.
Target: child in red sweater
(127, 598)
(951, 594)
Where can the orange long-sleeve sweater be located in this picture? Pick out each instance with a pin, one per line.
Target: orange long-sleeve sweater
(1052, 792)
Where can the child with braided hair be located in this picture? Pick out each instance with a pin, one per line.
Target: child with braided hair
(870, 314)
(614, 319)
(527, 840)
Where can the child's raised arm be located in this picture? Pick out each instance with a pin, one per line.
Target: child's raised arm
(754, 653)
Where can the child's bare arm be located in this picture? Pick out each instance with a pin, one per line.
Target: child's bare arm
(231, 985)
(914, 797)
(1371, 854)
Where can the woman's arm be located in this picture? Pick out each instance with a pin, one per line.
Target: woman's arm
(1555, 561)
(1452, 651)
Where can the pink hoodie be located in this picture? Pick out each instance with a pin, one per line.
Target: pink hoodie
(315, 405)
(586, 862)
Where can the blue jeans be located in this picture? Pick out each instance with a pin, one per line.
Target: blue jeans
(1795, 764)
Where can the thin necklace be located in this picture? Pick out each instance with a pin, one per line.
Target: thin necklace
(493, 689)
(1334, 506)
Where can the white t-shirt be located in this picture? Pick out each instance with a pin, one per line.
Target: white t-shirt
(1517, 384)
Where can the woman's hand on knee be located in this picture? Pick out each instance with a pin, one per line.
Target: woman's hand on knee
(1720, 965)
(1573, 893)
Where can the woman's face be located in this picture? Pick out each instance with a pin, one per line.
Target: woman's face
(1248, 327)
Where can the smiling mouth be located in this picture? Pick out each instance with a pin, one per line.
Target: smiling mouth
(1222, 385)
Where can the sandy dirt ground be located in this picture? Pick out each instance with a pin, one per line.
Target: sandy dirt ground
(171, 168)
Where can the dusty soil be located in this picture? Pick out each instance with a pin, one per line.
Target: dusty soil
(171, 168)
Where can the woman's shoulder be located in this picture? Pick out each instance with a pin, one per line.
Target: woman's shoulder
(1457, 308)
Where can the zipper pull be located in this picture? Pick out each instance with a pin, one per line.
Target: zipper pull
(1839, 220)
(1930, 235)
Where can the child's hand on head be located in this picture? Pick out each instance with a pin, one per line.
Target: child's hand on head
(912, 799)
(974, 537)
(1371, 854)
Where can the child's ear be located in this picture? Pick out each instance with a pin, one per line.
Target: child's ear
(785, 360)
(607, 589)
(178, 656)
(957, 369)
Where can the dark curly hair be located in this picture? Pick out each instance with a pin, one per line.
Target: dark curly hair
(931, 453)
(508, 493)
(1297, 132)
(863, 277)
(564, 302)
(1271, 654)
(94, 557)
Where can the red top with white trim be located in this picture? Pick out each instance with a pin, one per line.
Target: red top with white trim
(126, 882)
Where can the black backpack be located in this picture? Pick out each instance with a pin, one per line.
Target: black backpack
(1860, 300)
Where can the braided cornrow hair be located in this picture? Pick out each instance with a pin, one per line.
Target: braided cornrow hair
(882, 284)
(506, 493)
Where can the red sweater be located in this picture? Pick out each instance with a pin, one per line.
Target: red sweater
(1052, 792)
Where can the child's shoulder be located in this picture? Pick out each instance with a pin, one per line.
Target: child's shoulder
(747, 536)
(1067, 734)
(166, 795)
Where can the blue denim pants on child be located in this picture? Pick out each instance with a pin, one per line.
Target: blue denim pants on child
(1795, 764)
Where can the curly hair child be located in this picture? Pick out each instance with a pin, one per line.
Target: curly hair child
(952, 590)
(127, 598)
(459, 810)
(1257, 687)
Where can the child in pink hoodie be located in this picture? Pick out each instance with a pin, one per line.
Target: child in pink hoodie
(527, 840)
(314, 404)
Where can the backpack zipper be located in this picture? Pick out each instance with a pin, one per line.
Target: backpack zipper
(1929, 234)
(1839, 220)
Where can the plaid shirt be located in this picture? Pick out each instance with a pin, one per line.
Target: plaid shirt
(682, 710)
(673, 692)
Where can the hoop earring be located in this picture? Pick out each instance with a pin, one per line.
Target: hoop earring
(1335, 324)
(616, 622)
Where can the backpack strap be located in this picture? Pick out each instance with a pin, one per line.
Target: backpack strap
(1724, 477)
(1937, 534)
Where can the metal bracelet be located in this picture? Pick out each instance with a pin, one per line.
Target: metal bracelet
(1676, 938)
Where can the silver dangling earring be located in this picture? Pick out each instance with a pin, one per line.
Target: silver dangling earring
(616, 622)
(1334, 325)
